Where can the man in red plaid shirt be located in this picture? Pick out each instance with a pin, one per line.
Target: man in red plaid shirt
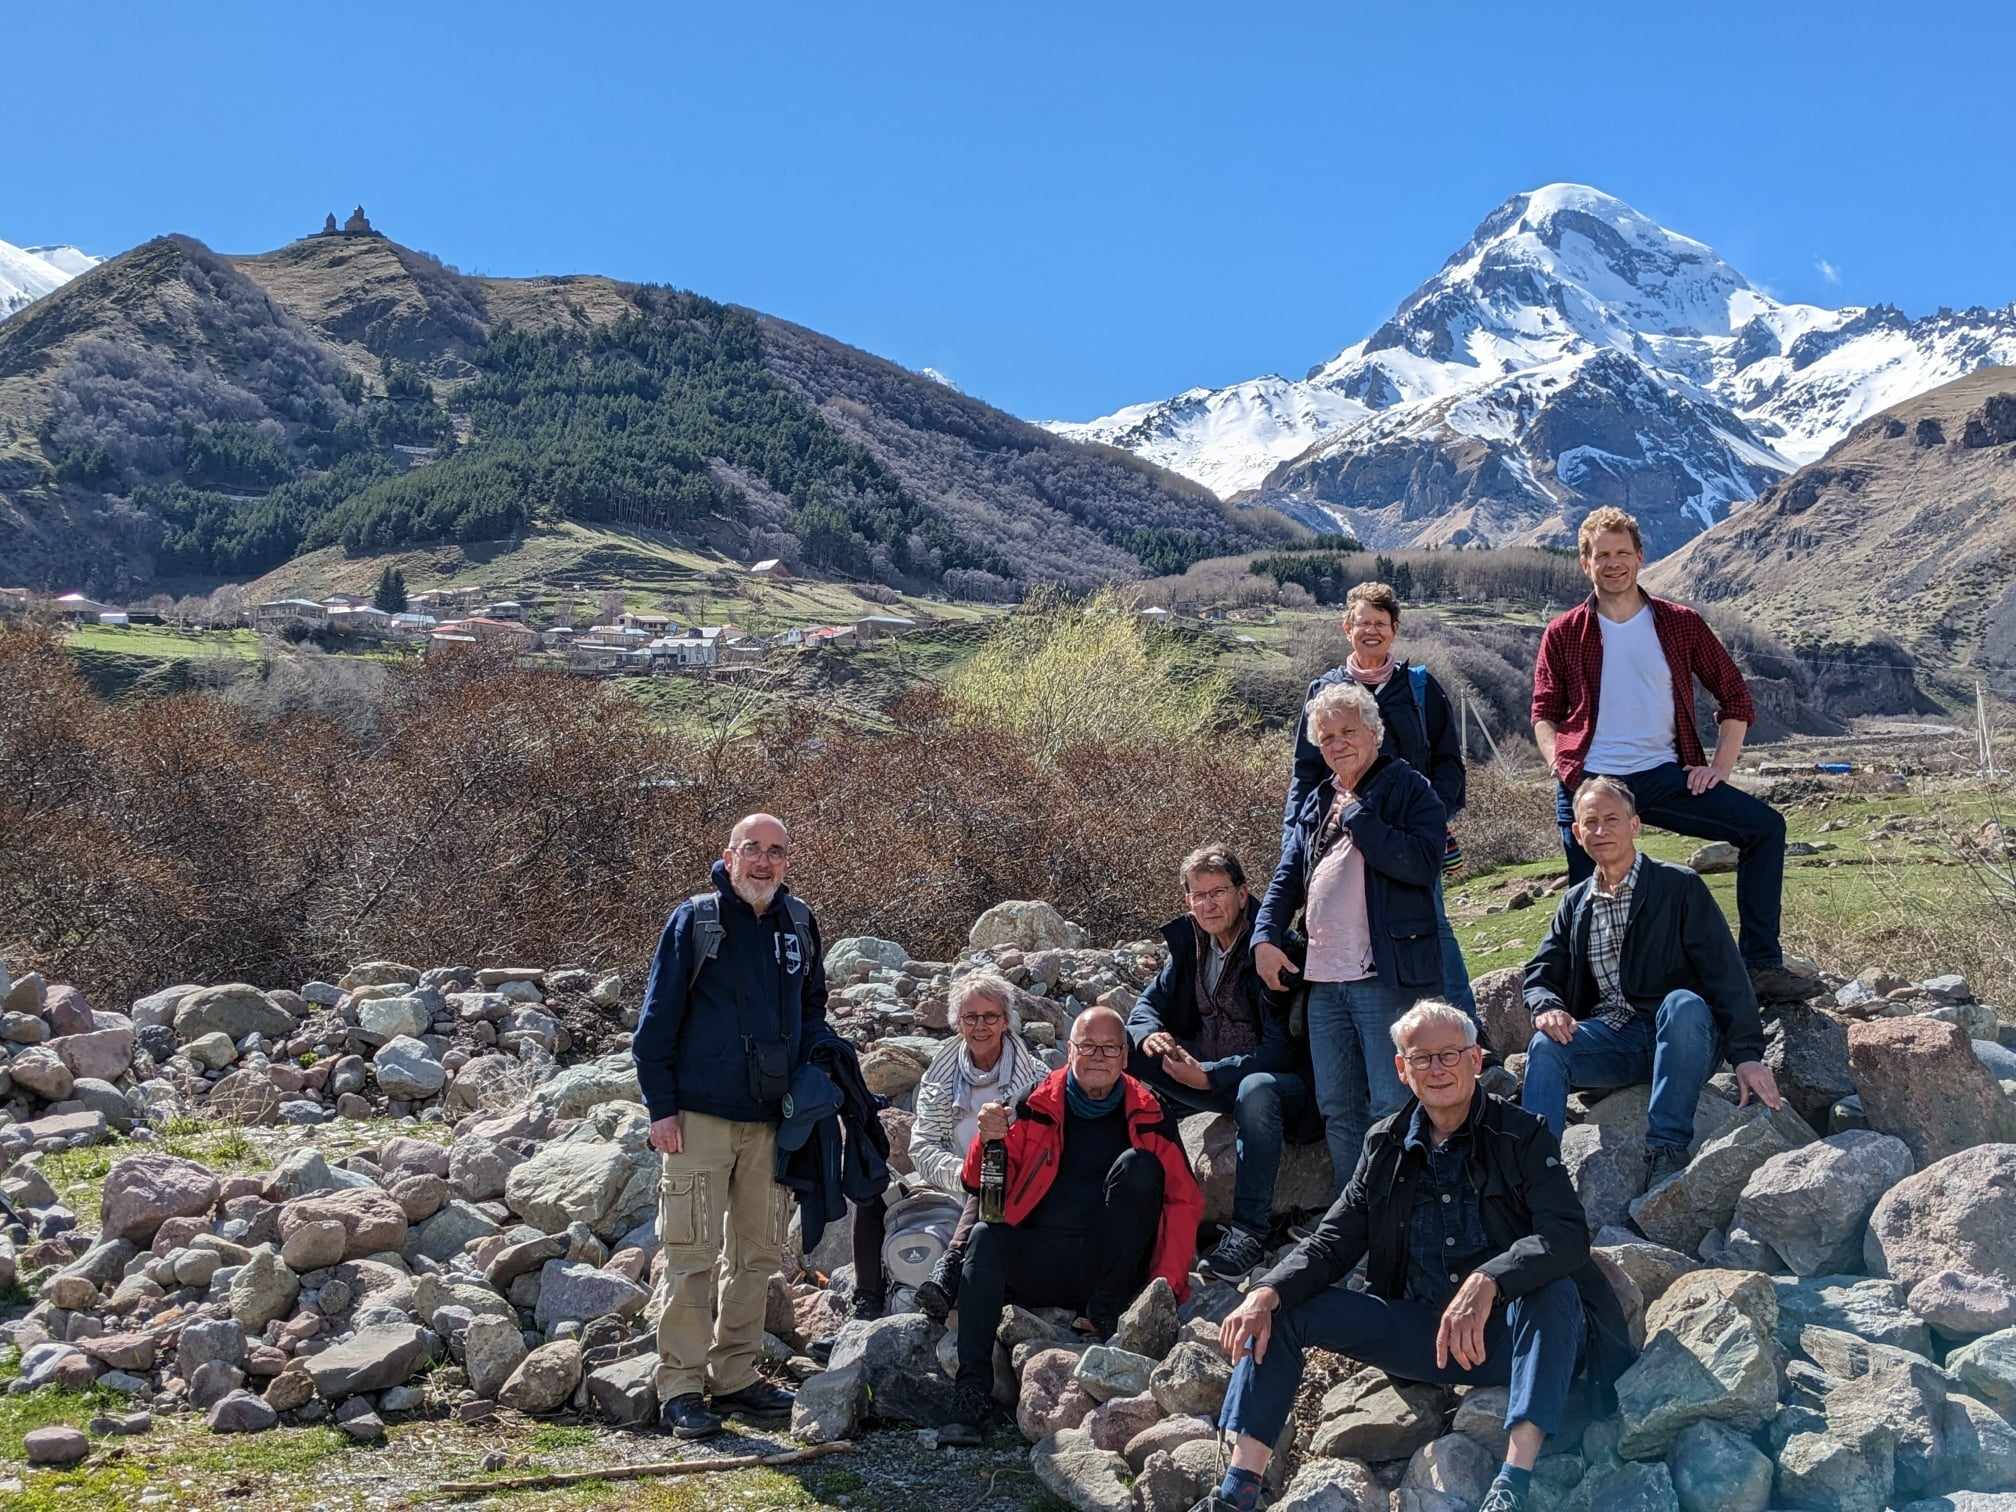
(1613, 694)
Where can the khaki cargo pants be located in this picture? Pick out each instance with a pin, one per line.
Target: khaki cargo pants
(715, 1288)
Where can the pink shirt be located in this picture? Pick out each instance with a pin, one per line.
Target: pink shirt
(1340, 932)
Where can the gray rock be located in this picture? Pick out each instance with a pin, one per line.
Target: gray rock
(55, 1446)
(1871, 1308)
(583, 1181)
(241, 1412)
(263, 1289)
(451, 1230)
(97, 1054)
(1715, 856)
(235, 1009)
(492, 1349)
(1977, 1448)
(842, 955)
(1450, 1473)
(314, 1246)
(1961, 1305)
(1210, 1140)
(626, 1393)
(41, 1071)
(370, 1360)
(1637, 1488)
(571, 1292)
(1191, 1380)
(1178, 1477)
(1987, 1368)
(380, 1020)
(212, 1383)
(1070, 1468)
(1811, 1204)
(1106, 1372)
(1369, 1417)
(1606, 1164)
(1711, 1356)
(1148, 1327)
(142, 1192)
(407, 1069)
(573, 1092)
(478, 1167)
(1716, 1469)
(885, 1365)
(1808, 1055)
(1819, 1471)
(1331, 1485)
(545, 1379)
(205, 1339)
(1682, 1210)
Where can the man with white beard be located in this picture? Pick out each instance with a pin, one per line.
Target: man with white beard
(736, 999)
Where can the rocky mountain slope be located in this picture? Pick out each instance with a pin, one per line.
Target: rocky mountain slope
(1906, 528)
(1572, 353)
(182, 416)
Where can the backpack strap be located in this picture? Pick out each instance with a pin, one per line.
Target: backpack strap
(801, 925)
(707, 933)
(1417, 679)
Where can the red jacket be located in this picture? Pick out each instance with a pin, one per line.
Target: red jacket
(1569, 674)
(1036, 1139)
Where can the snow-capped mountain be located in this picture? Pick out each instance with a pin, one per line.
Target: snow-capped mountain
(27, 273)
(1572, 353)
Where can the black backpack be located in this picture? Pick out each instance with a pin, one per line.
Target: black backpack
(708, 930)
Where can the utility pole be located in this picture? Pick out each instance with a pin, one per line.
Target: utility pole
(1985, 740)
(1466, 729)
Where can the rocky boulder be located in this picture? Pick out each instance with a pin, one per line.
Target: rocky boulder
(372, 1219)
(1080, 1474)
(1682, 1210)
(1811, 1204)
(1958, 1214)
(1920, 1080)
(1710, 1356)
(235, 1009)
(544, 1379)
(1211, 1140)
(142, 1192)
(1026, 926)
(371, 1360)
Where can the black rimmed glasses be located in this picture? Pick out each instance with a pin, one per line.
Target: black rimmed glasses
(1446, 1060)
(1098, 1052)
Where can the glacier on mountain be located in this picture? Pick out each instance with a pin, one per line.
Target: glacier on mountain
(28, 273)
(1461, 419)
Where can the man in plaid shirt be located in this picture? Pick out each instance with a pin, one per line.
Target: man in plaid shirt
(1613, 695)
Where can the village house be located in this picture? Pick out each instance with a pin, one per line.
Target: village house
(688, 650)
(492, 631)
(76, 608)
(770, 567)
(359, 619)
(650, 624)
(343, 601)
(505, 609)
(278, 613)
(411, 622)
(874, 627)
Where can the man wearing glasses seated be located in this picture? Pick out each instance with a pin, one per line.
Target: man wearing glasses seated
(1478, 1270)
(1211, 1037)
(1100, 1200)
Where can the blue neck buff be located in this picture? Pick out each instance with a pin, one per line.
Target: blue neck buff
(1085, 1105)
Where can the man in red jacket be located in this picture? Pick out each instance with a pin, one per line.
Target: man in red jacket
(1613, 695)
(1100, 1200)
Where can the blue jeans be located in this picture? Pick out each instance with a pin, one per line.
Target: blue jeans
(1455, 974)
(1351, 1046)
(1265, 1109)
(1756, 829)
(1676, 1050)
(1531, 1345)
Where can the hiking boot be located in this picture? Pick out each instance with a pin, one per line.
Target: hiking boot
(1234, 1256)
(866, 1307)
(1663, 1162)
(1502, 1498)
(971, 1408)
(1781, 984)
(686, 1416)
(940, 1294)
(759, 1402)
(1213, 1502)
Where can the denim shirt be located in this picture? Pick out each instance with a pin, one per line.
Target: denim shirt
(1445, 1231)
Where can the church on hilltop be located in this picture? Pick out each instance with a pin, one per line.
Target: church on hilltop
(357, 225)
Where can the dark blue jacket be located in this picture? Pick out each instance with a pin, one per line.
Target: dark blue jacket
(689, 1044)
(1170, 1003)
(1401, 829)
(1675, 936)
(831, 1146)
(1426, 738)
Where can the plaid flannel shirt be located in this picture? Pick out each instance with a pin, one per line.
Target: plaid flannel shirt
(1569, 674)
(1608, 914)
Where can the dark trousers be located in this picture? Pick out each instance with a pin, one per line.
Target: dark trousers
(871, 1227)
(1269, 1109)
(1756, 829)
(1096, 1273)
(1531, 1345)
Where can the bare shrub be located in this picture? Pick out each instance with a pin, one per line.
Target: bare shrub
(1506, 820)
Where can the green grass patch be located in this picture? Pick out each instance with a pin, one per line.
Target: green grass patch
(50, 1407)
(79, 1175)
(164, 642)
(287, 1452)
(551, 1438)
(115, 1486)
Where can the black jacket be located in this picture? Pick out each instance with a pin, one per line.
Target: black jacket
(1400, 828)
(1531, 1216)
(689, 1043)
(1170, 1003)
(831, 1146)
(1674, 937)
(1425, 736)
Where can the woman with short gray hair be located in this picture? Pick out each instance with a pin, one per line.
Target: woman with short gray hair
(1355, 890)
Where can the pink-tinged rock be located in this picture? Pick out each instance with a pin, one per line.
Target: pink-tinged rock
(175, 1233)
(1051, 1398)
(144, 1191)
(372, 1218)
(1166, 1435)
(67, 1010)
(285, 1077)
(1116, 1424)
(1920, 1080)
(122, 1351)
(896, 1124)
(231, 1187)
(1961, 1305)
(1501, 1005)
(104, 1054)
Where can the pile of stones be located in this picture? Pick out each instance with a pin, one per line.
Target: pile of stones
(1825, 1296)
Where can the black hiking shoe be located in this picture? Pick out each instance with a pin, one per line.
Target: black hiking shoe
(759, 1402)
(1781, 985)
(1663, 1162)
(940, 1294)
(686, 1416)
(1234, 1255)
(971, 1408)
(866, 1307)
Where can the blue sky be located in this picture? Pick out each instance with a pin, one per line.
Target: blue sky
(1066, 207)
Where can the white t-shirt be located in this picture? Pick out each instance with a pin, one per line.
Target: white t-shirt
(1634, 706)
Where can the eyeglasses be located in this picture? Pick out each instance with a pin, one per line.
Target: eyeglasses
(1214, 897)
(749, 850)
(1098, 1052)
(983, 1020)
(1447, 1060)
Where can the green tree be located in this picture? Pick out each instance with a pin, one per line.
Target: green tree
(390, 594)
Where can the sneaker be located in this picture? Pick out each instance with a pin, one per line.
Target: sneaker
(1784, 985)
(971, 1407)
(1663, 1162)
(759, 1402)
(866, 1307)
(1502, 1498)
(686, 1416)
(1235, 1255)
(938, 1295)
(1213, 1502)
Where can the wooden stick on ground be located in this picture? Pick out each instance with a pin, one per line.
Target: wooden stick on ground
(644, 1472)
